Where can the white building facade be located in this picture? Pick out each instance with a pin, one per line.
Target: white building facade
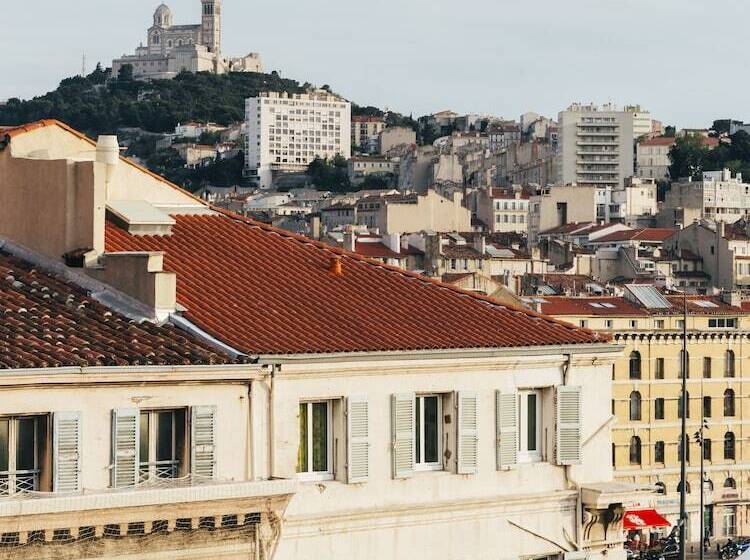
(285, 132)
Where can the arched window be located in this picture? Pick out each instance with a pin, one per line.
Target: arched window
(708, 485)
(661, 488)
(683, 363)
(729, 364)
(687, 406)
(635, 365)
(729, 402)
(169, 43)
(729, 446)
(157, 39)
(635, 450)
(730, 483)
(179, 42)
(635, 405)
(687, 487)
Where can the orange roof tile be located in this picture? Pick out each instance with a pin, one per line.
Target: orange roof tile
(643, 234)
(266, 291)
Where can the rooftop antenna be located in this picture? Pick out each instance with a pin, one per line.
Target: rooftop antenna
(83, 65)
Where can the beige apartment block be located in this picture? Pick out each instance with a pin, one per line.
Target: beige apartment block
(411, 213)
(646, 395)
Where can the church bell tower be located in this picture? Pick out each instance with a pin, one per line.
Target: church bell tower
(211, 25)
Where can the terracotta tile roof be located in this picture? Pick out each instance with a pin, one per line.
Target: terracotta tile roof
(569, 228)
(376, 251)
(266, 291)
(451, 251)
(643, 234)
(658, 141)
(46, 321)
(604, 306)
(452, 278)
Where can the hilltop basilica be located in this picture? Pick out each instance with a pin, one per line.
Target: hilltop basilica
(172, 49)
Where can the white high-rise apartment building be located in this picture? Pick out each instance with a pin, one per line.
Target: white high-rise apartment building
(596, 145)
(285, 132)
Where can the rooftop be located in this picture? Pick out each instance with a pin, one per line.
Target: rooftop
(49, 322)
(267, 291)
(643, 234)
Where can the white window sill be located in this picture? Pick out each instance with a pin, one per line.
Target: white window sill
(428, 467)
(314, 477)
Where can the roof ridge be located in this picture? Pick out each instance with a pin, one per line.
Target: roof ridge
(406, 273)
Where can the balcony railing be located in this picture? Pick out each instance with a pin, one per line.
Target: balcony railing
(18, 481)
(158, 469)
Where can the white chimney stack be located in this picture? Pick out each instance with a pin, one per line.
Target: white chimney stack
(108, 150)
(393, 241)
(350, 239)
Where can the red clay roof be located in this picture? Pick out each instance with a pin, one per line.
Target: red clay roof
(376, 251)
(605, 306)
(266, 291)
(46, 321)
(643, 234)
(659, 141)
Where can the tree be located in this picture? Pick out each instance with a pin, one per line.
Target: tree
(670, 131)
(126, 73)
(330, 175)
(688, 157)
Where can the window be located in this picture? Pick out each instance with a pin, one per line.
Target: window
(707, 367)
(162, 443)
(530, 426)
(730, 483)
(314, 459)
(729, 364)
(634, 324)
(20, 451)
(707, 407)
(635, 365)
(687, 449)
(661, 488)
(660, 323)
(659, 409)
(583, 323)
(684, 364)
(706, 449)
(635, 450)
(687, 406)
(729, 446)
(635, 405)
(608, 323)
(729, 402)
(658, 452)
(729, 528)
(427, 432)
(687, 487)
(659, 371)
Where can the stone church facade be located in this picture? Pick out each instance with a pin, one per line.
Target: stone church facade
(172, 49)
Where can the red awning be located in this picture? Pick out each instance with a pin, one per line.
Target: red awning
(643, 518)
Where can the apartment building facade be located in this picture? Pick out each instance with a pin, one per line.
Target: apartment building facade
(646, 399)
(285, 132)
(504, 210)
(365, 133)
(595, 145)
(510, 451)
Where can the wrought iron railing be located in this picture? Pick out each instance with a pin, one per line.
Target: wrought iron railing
(14, 482)
(158, 470)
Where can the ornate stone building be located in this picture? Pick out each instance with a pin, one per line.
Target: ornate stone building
(172, 49)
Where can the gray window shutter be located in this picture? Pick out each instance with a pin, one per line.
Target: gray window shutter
(402, 425)
(506, 418)
(568, 436)
(468, 435)
(66, 451)
(358, 430)
(125, 438)
(203, 441)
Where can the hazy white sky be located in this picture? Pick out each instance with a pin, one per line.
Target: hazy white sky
(685, 60)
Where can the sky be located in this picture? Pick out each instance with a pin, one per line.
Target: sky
(684, 60)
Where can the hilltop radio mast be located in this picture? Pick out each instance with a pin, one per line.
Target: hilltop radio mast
(83, 65)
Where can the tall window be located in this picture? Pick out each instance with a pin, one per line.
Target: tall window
(687, 487)
(20, 450)
(635, 450)
(659, 371)
(707, 407)
(635, 365)
(659, 452)
(684, 364)
(729, 364)
(729, 528)
(687, 405)
(729, 452)
(635, 405)
(687, 449)
(659, 408)
(707, 367)
(729, 402)
(530, 426)
(706, 449)
(162, 441)
(428, 430)
(314, 456)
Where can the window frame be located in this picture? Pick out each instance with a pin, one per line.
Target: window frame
(151, 463)
(311, 475)
(12, 473)
(524, 455)
(419, 424)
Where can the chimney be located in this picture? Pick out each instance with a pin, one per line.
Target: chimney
(334, 268)
(393, 242)
(731, 297)
(350, 239)
(315, 226)
(480, 244)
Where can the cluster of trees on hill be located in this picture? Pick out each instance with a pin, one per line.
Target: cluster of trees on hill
(690, 157)
(98, 104)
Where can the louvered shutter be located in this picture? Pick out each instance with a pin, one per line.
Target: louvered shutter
(125, 448)
(203, 441)
(402, 425)
(66, 451)
(468, 435)
(568, 405)
(506, 421)
(358, 452)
